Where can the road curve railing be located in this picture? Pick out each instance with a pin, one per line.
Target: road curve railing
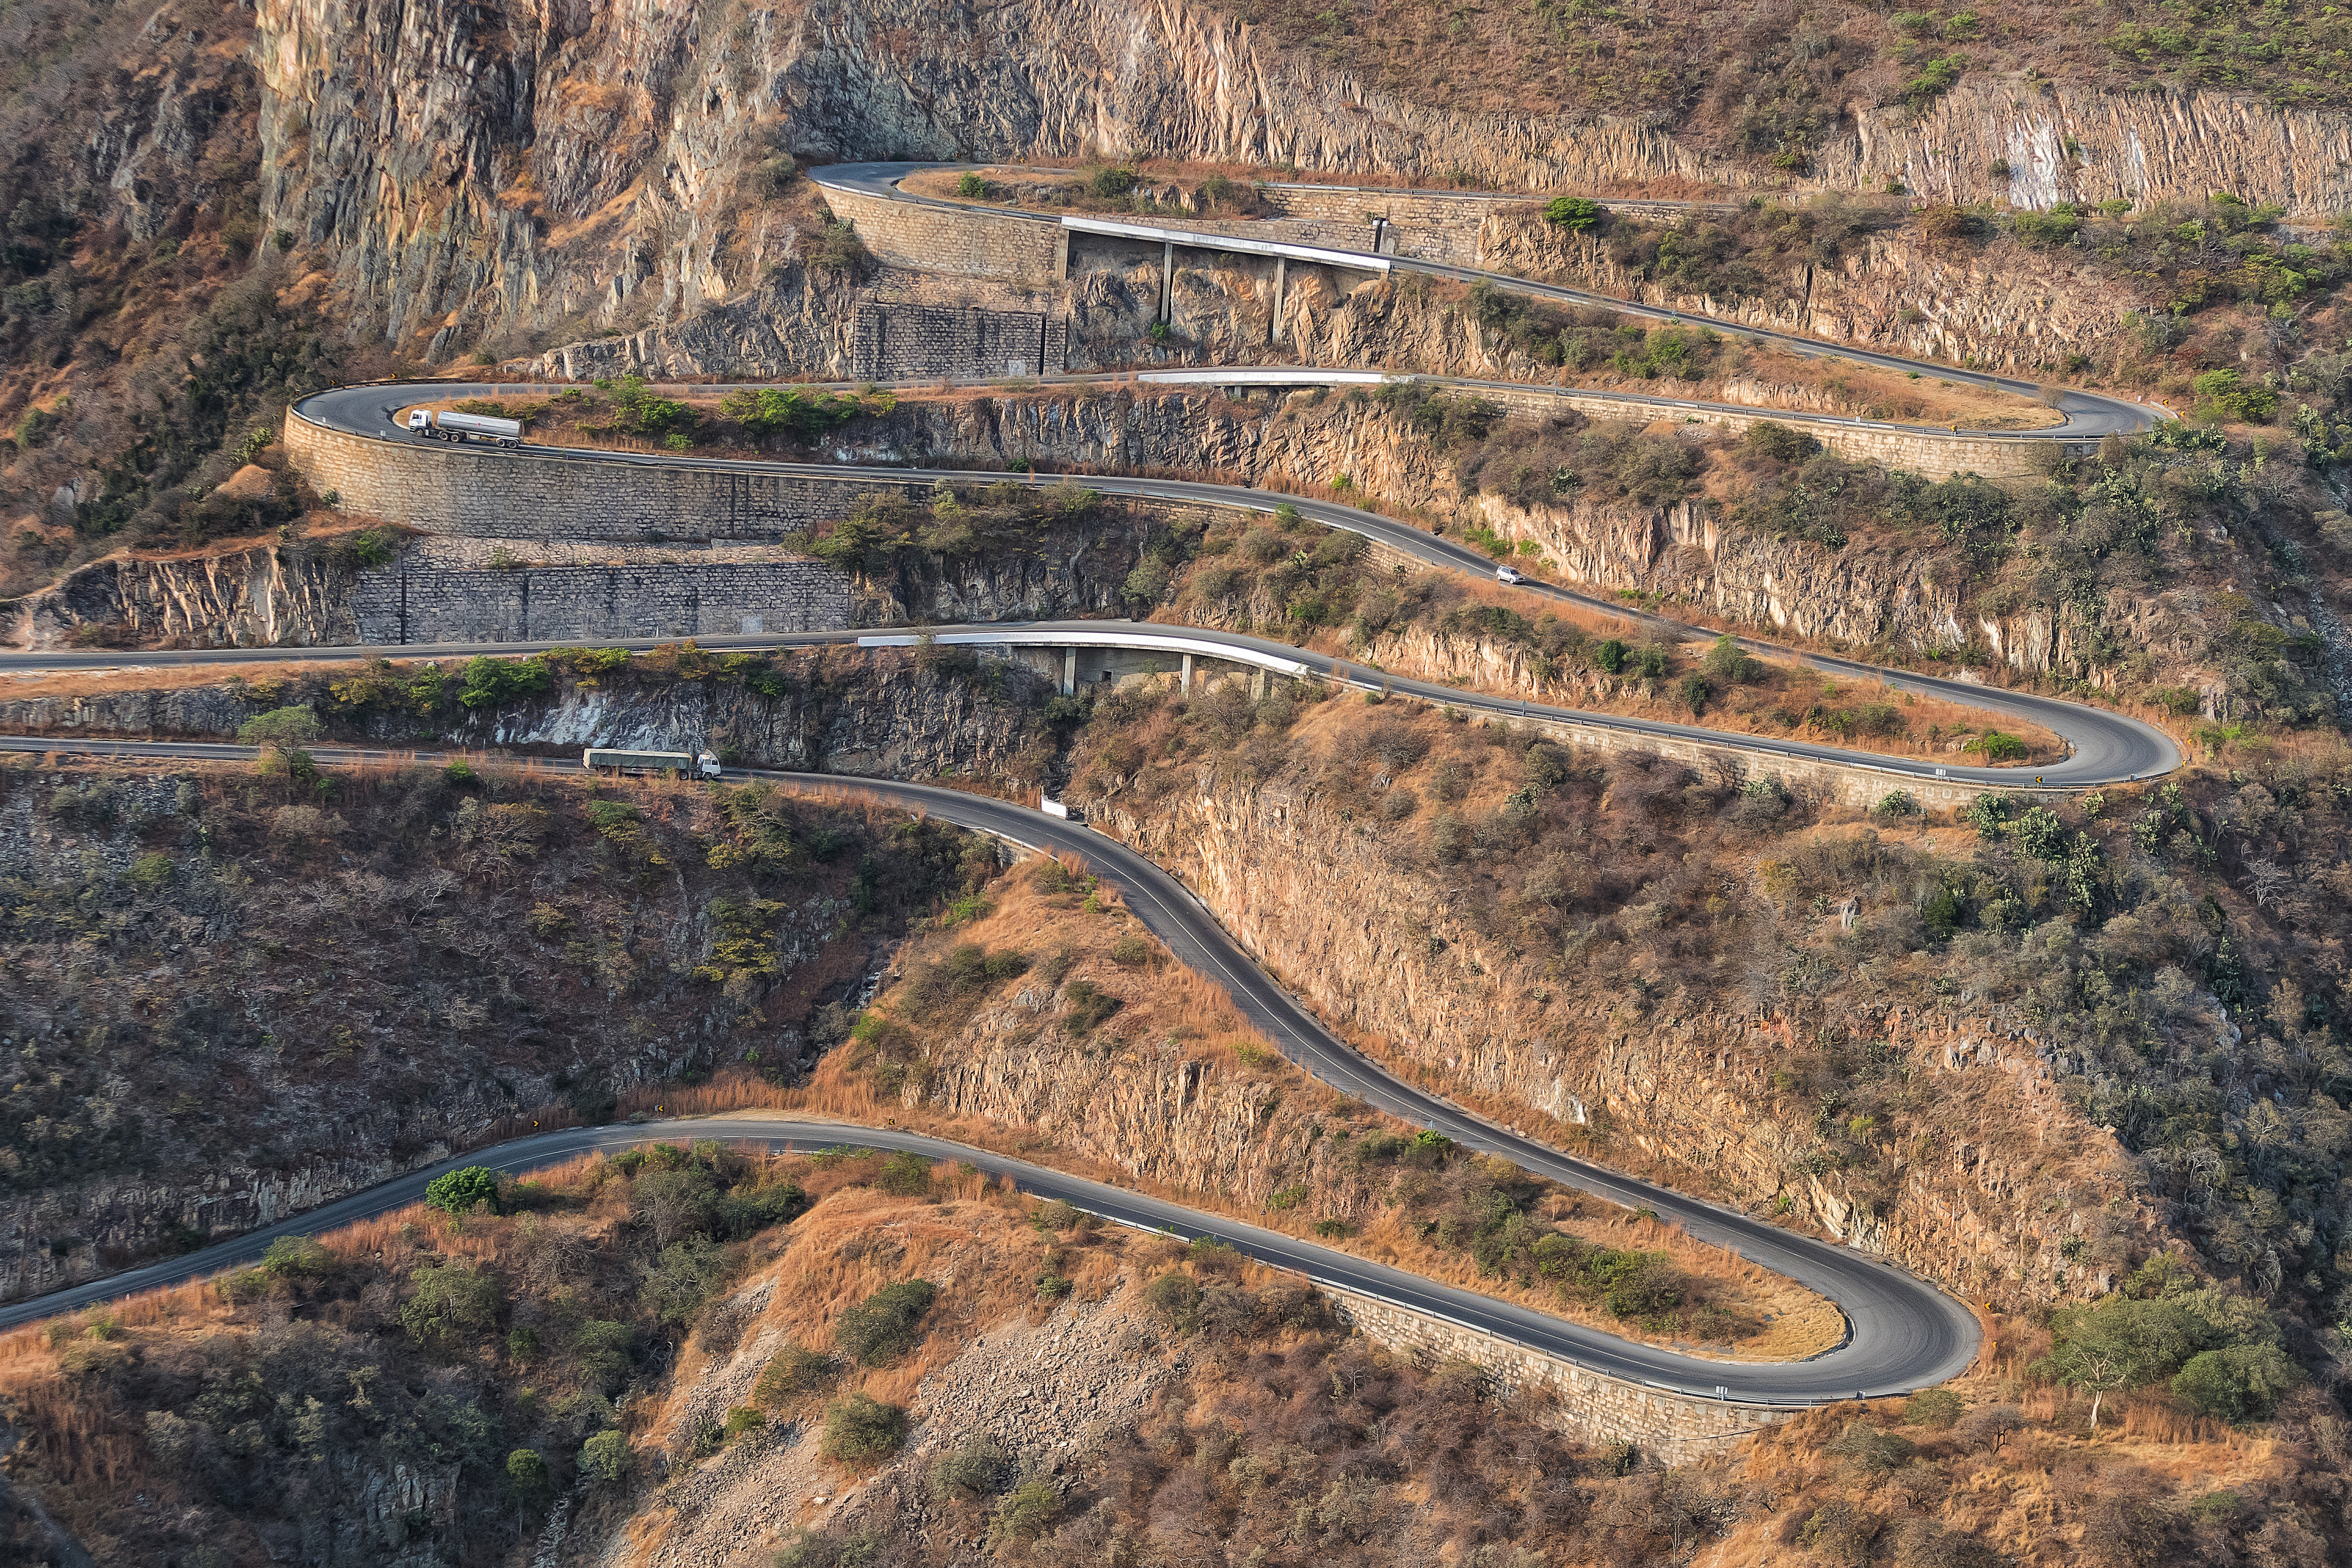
(2104, 747)
(1903, 1332)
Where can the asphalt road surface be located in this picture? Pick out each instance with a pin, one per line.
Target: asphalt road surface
(2105, 747)
(1904, 1333)
(2088, 415)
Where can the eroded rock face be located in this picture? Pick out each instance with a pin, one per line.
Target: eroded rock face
(517, 166)
(1689, 552)
(1379, 954)
(264, 596)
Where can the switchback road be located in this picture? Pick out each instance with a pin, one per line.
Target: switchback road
(2088, 415)
(1904, 1333)
(2106, 747)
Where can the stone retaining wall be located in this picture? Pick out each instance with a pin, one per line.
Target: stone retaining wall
(972, 242)
(1674, 1427)
(910, 342)
(539, 496)
(407, 603)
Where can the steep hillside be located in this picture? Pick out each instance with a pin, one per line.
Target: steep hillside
(239, 994)
(689, 1355)
(1903, 1030)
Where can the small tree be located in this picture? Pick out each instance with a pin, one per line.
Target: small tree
(605, 1456)
(457, 1191)
(527, 1475)
(284, 727)
(2120, 1345)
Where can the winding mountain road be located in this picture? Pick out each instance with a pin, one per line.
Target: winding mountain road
(2088, 415)
(2104, 747)
(1904, 1332)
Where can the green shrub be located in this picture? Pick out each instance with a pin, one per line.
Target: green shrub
(1574, 214)
(1935, 1409)
(882, 1327)
(454, 1308)
(1610, 655)
(978, 1469)
(1997, 746)
(2224, 394)
(837, 251)
(2236, 1383)
(1027, 1512)
(457, 1191)
(861, 1430)
(1871, 1449)
(1936, 78)
(604, 1350)
(2056, 227)
(972, 187)
(605, 1456)
(1089, 1006)
(1131, 950)
(1177, 1297)
(301, 1257)
(1111, 185)
(793, 1370)
(744, 1418)
(905, 1175)
(1727, 661)
(1648, 1289)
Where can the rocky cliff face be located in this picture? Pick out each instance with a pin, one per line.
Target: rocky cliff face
(1379, 955)
(520, 165)
(1690, 552)
(346, 1011)
(269, 596)
(1994, 305)
(879, 713)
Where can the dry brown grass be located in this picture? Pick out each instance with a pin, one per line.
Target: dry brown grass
(1167, 1001)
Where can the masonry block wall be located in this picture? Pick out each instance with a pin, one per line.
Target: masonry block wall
(972, 242)
(910, 342)
(1674, 1427)
(405, 604)
(529, 495)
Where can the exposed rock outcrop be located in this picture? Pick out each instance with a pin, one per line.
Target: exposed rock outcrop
(1379, 954)
(268, 595)
(481, 169)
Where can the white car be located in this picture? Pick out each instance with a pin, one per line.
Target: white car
(1508, 574)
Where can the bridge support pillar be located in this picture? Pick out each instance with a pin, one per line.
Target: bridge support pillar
(1184, 681)
(1062, 259)
(1070, 672)
(1273, 326)
(1257, 684)
(1167, 281)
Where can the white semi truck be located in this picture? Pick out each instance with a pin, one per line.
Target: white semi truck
(449, 425)
(681, 764)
